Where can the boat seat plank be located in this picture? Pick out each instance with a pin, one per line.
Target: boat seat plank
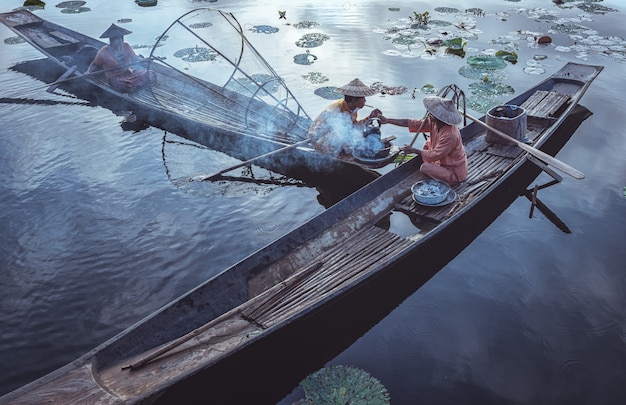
(336, 267)
(41, 38)
(544, 104)
(64, 37)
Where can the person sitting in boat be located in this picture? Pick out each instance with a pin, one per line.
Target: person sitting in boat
(119, 62)
(337, 127)
(443, 153)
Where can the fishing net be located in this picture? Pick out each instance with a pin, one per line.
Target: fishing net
(210, 69)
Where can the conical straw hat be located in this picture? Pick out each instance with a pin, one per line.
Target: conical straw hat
(356, 88)
(115, 31)
(443, 109)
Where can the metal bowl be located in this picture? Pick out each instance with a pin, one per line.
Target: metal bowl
(430, 191)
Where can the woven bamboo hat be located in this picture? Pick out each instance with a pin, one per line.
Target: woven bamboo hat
(443, 109)
(115, 31)
(356, 88)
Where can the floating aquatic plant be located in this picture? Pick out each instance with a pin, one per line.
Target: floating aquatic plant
(440, 23)
(328, 93)
(475, 11)
(420, 19)
(71, 10)
(71, 4)
(480, 74)
(264, 29)
(455, 43)
(507, 56)
(205, 24)
(343, 385)
(315, 77)
(594, 8)
(447, 10)
(196, 54)
(404, 39)
(246, 85)
(487, 62)
(428, 89)
(304, 58)
(312, 40)
(36, 3)
(388, 90)
(14, 40)
(306, 24)
(490, 89)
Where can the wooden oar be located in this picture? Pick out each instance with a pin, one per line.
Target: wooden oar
(63, 78)
(551, 160)
(247, 162)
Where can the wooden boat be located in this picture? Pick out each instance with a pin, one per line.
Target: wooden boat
(210, 86)
(296, 303)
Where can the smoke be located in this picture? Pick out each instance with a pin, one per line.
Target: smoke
(368, 146)
(337, 133)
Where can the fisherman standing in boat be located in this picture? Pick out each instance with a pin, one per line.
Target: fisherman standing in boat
(443, 153)
(119, 62)
(337, 127)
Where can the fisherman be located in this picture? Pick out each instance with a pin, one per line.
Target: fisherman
(119, 62)
(443, 153)
(337, 127)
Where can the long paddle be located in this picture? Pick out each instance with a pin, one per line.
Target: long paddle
(245, 163)
(565, 168)
(64, 77)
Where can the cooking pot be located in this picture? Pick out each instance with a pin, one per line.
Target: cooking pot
(372, 127)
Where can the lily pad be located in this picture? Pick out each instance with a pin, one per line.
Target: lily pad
(343, 385)
(14, 40)
(205, 24)
(304, 58)
(264, 29)
(71, 4)
(312, 40)
(306, 24)
(486, 62)
(507, 56)
(595, 8)
(72, 10)
(196, 54)
(328, 92)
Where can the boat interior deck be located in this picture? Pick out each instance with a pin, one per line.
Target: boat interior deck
(487, 160)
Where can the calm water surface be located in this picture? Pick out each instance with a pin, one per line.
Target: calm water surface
(96, 234)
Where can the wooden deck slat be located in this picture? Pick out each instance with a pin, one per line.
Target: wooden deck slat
(544, 104)
(42, 39)
(364, 249)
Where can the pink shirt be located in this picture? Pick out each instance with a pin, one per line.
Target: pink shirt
(444, 147)
(109, 63)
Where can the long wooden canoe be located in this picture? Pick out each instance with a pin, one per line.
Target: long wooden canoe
(296, 303)
(220, 93)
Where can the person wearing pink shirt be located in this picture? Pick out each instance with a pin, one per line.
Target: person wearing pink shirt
(119, 62)
(443, 153)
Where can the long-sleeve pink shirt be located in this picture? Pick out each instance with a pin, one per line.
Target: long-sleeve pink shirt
(444, 147)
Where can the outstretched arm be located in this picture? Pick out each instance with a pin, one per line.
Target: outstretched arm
(401, 122)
